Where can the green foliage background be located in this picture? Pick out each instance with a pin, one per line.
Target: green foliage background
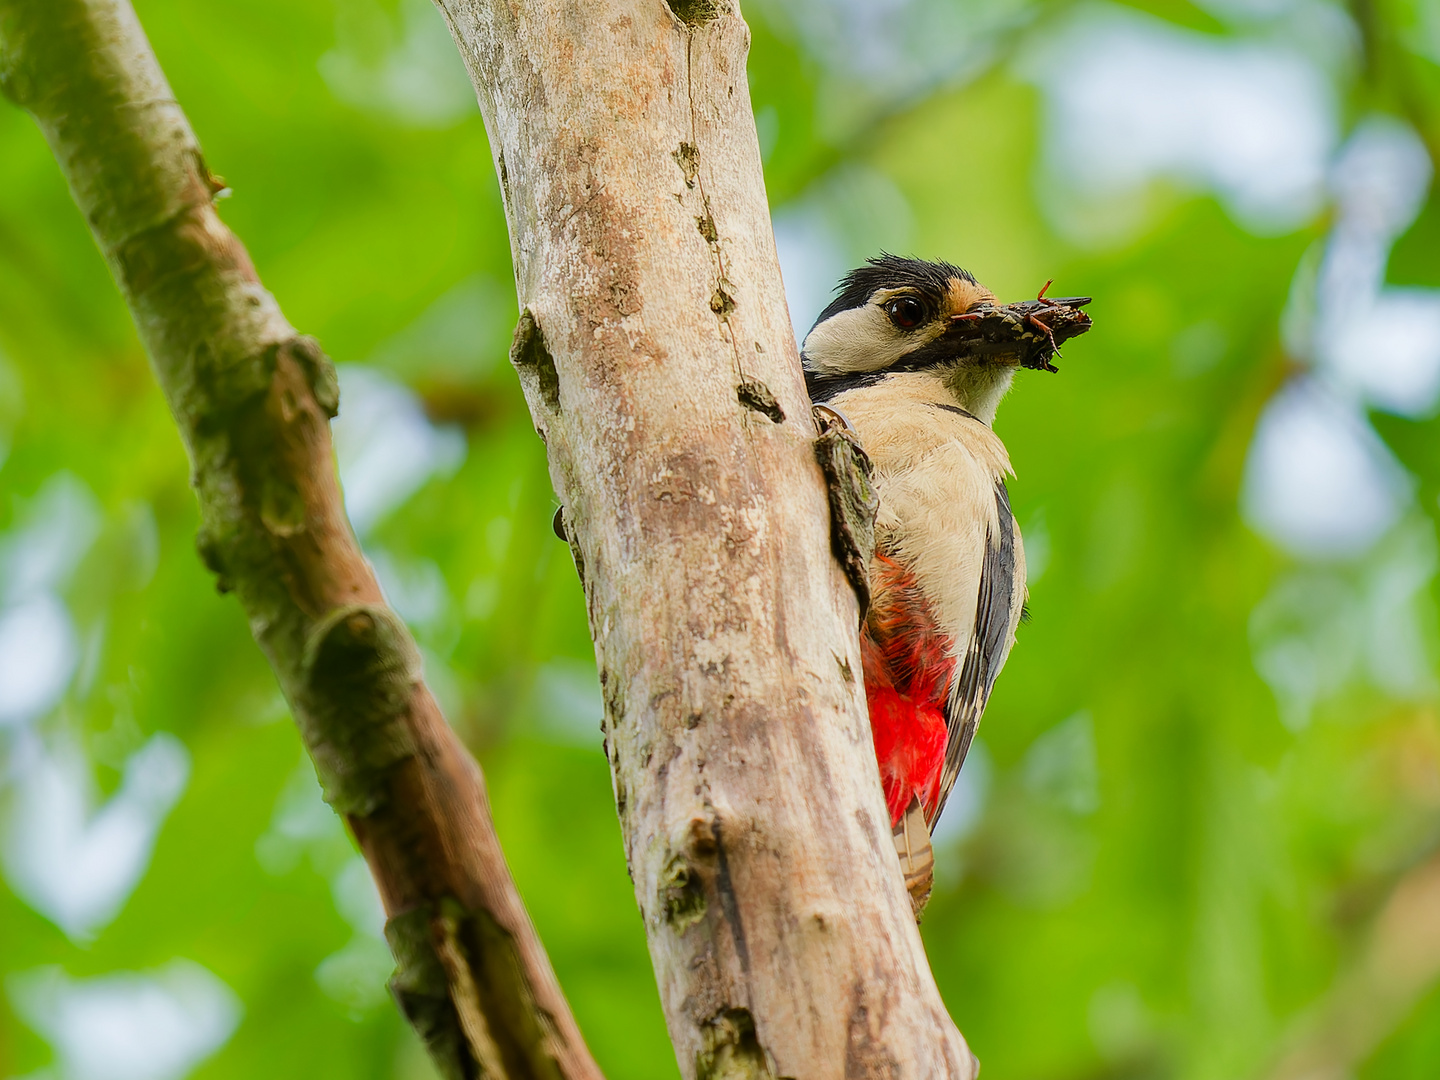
(1161, 876)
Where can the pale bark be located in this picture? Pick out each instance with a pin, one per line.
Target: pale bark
(658, 360)
(253, 399)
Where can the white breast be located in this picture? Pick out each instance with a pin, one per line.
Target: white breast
(935, 473)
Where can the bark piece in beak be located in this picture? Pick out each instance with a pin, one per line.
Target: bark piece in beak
(1028, 333)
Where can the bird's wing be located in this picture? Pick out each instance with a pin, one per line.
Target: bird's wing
(1002, 593)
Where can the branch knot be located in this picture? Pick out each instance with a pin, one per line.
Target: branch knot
(359, 671)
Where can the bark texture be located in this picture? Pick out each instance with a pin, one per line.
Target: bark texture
(661, 371)
(253, 399)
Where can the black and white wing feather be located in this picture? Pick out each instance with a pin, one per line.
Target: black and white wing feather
(1002, 594)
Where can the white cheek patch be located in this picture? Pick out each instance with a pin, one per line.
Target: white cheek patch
(860, 339)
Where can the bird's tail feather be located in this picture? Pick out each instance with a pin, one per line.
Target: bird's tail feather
(917, 857)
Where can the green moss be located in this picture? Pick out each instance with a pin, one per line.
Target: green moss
(695, 13)
(359, 670)
(533, 360)
(682, 894)
(422, 991)
(731, 1050)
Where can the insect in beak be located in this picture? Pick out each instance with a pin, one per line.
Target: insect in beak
(1029, 331)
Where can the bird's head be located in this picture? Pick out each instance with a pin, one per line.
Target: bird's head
(895, 315)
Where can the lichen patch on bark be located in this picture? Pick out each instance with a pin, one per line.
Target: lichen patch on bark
(358, 673)
(687, 156)
(730, 1049)
(695, 13)
(532, 360)
(684, 895)
(754, 394)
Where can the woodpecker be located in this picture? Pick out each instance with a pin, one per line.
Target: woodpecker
(913, 357)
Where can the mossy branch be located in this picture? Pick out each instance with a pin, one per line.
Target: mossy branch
(253, 399)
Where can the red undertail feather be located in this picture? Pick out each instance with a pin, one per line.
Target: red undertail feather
(908, 667)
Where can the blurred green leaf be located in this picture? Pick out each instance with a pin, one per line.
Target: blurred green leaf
(1171, 861)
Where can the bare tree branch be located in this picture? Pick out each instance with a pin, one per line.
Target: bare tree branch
(252, 399)
(1395, 966)
(654, 320)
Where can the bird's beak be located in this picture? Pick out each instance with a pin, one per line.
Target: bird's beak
(1027, 333)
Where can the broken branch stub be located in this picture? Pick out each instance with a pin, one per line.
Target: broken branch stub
(661, 371)
(854, 502)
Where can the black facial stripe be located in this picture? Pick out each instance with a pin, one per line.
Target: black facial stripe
(931, 355)
(939, 353)
(824, 386)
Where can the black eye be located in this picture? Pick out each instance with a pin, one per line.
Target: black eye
(905, 312)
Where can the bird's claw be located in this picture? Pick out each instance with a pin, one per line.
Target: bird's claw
(828, 415)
